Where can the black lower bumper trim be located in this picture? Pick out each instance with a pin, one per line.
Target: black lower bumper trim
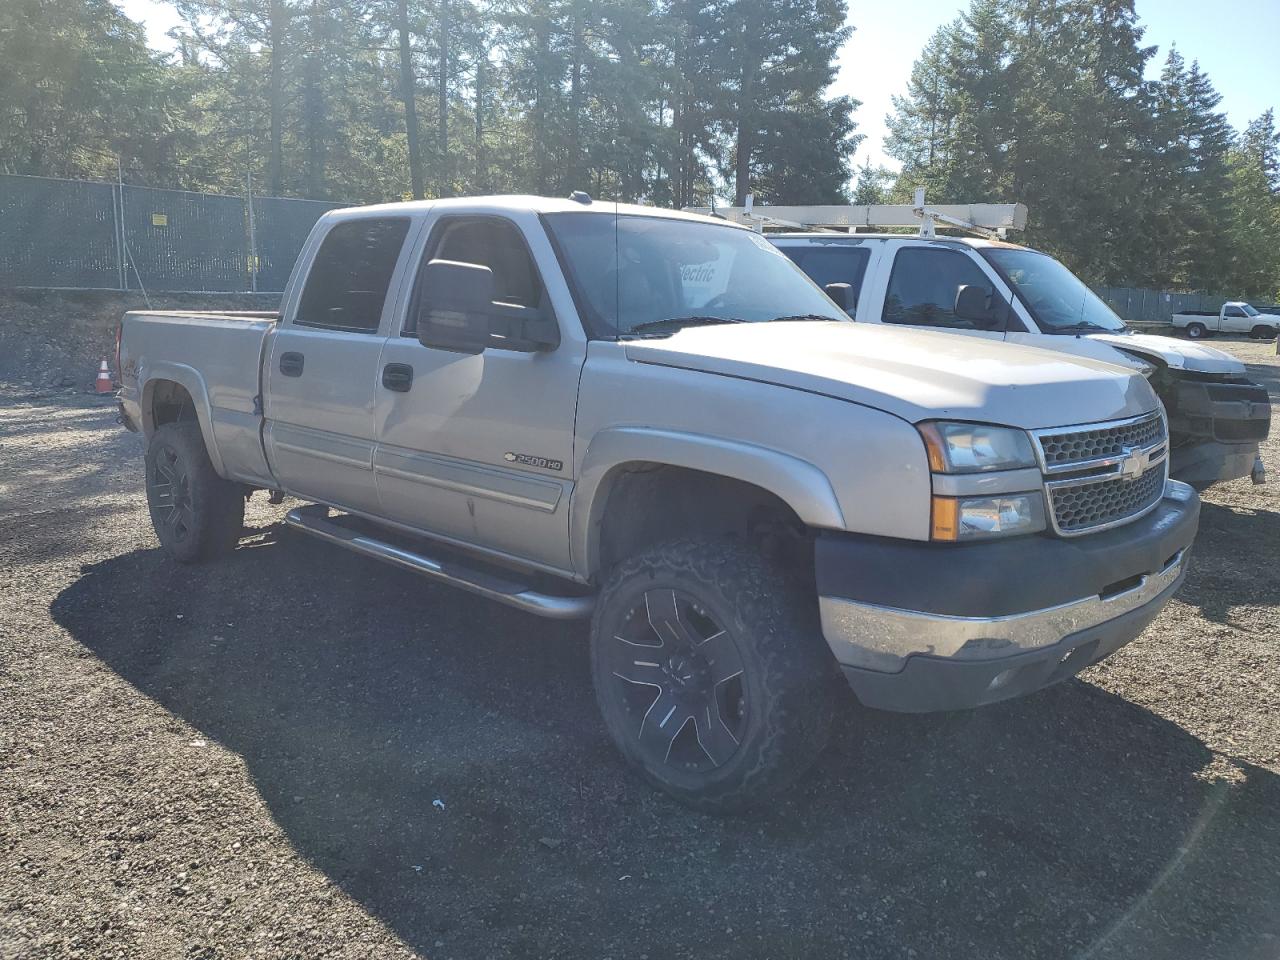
(1001, 577)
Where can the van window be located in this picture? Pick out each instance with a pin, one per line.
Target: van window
(832, 263)
(348, 280)
(923, 287)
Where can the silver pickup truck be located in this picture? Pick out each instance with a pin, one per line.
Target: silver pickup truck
(656, 420)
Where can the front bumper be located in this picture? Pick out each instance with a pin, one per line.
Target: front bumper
(1215, 427)
(919, 627)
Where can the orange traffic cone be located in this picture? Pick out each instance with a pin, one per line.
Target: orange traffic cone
(103, 384)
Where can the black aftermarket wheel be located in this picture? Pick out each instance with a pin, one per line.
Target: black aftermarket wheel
(196, 514)
(711, 674)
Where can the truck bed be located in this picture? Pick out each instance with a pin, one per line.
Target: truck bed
(216, 356)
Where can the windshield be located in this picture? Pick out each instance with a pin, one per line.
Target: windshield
(1058, 299)
(1249, 310)
(646, 276)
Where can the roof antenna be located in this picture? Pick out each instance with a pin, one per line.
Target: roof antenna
(581, 196)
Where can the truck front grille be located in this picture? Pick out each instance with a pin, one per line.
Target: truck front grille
(1081, 507)
(1100, 475)
(1066, 448)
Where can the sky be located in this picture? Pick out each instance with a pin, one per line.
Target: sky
(1234, 40)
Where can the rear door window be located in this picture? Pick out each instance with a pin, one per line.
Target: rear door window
(923, 286)
(347, 284)
(834, 263)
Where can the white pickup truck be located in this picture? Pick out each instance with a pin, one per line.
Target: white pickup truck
(999, 291)
(1236, 316)
(655, 420)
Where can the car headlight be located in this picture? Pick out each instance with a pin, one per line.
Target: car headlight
(969, 448)
(975, 447)
(977, 518)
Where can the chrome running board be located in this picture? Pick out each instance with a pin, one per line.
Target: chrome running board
(315, 521)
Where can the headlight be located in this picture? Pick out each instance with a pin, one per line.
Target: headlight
(975, 518)
(975, 447)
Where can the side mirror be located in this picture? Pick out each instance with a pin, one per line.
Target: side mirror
(458, 313)
(842, 294)
(456, 306)
(974, 303)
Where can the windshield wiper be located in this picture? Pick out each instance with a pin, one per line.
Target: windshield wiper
(1078, 327)
(671, 324)
(793, 317)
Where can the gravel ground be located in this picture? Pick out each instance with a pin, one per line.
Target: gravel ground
(245, 760)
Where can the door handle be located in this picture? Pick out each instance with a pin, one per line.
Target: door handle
(291, 364)
(397, 377)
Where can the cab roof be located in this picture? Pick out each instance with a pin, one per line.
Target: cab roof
(520, 202)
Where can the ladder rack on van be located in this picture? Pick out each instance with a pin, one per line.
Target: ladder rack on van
(992, 220)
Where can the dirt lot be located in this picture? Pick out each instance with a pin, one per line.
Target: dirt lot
(244, 760)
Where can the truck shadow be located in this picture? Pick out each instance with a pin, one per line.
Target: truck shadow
(1073, 822)
(1232, 540)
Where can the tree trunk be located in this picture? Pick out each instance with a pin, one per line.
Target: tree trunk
(577, 175)
(746, 129)
(482, 163)
(409, 96)
(275, 163)
(445, 181)
(313, 105)
(541, 29)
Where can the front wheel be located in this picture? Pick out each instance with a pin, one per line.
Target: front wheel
(1262, 332)
(711, 673)
(1196, 331)
(196, 514)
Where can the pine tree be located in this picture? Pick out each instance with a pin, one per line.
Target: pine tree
(872, 185)
(1039, 101)
(771, 62)
(78, 87)
(1254, 218)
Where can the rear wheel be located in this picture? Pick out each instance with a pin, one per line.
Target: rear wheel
(711, 673)
(196, 514)
(1196, 331)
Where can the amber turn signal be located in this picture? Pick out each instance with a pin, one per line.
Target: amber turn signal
(945, 519)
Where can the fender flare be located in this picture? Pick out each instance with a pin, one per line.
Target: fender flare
(798, 483)
(189, 379)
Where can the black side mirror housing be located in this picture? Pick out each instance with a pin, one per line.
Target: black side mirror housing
(977, 305)
(455, 307)
(458, 313)
(842, 294)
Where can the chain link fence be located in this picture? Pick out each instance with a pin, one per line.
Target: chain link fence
(1140, 305)
(83, 235)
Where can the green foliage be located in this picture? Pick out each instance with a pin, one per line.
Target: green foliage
(1253, 167)
(78, 87)
(367, 100)
(873, 185)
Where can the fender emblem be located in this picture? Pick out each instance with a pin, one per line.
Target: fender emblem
(528, 460)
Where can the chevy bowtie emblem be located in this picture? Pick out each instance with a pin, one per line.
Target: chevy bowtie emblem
(1135, 463)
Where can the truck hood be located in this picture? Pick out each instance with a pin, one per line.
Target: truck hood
(1176, 354)
(914, 374)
